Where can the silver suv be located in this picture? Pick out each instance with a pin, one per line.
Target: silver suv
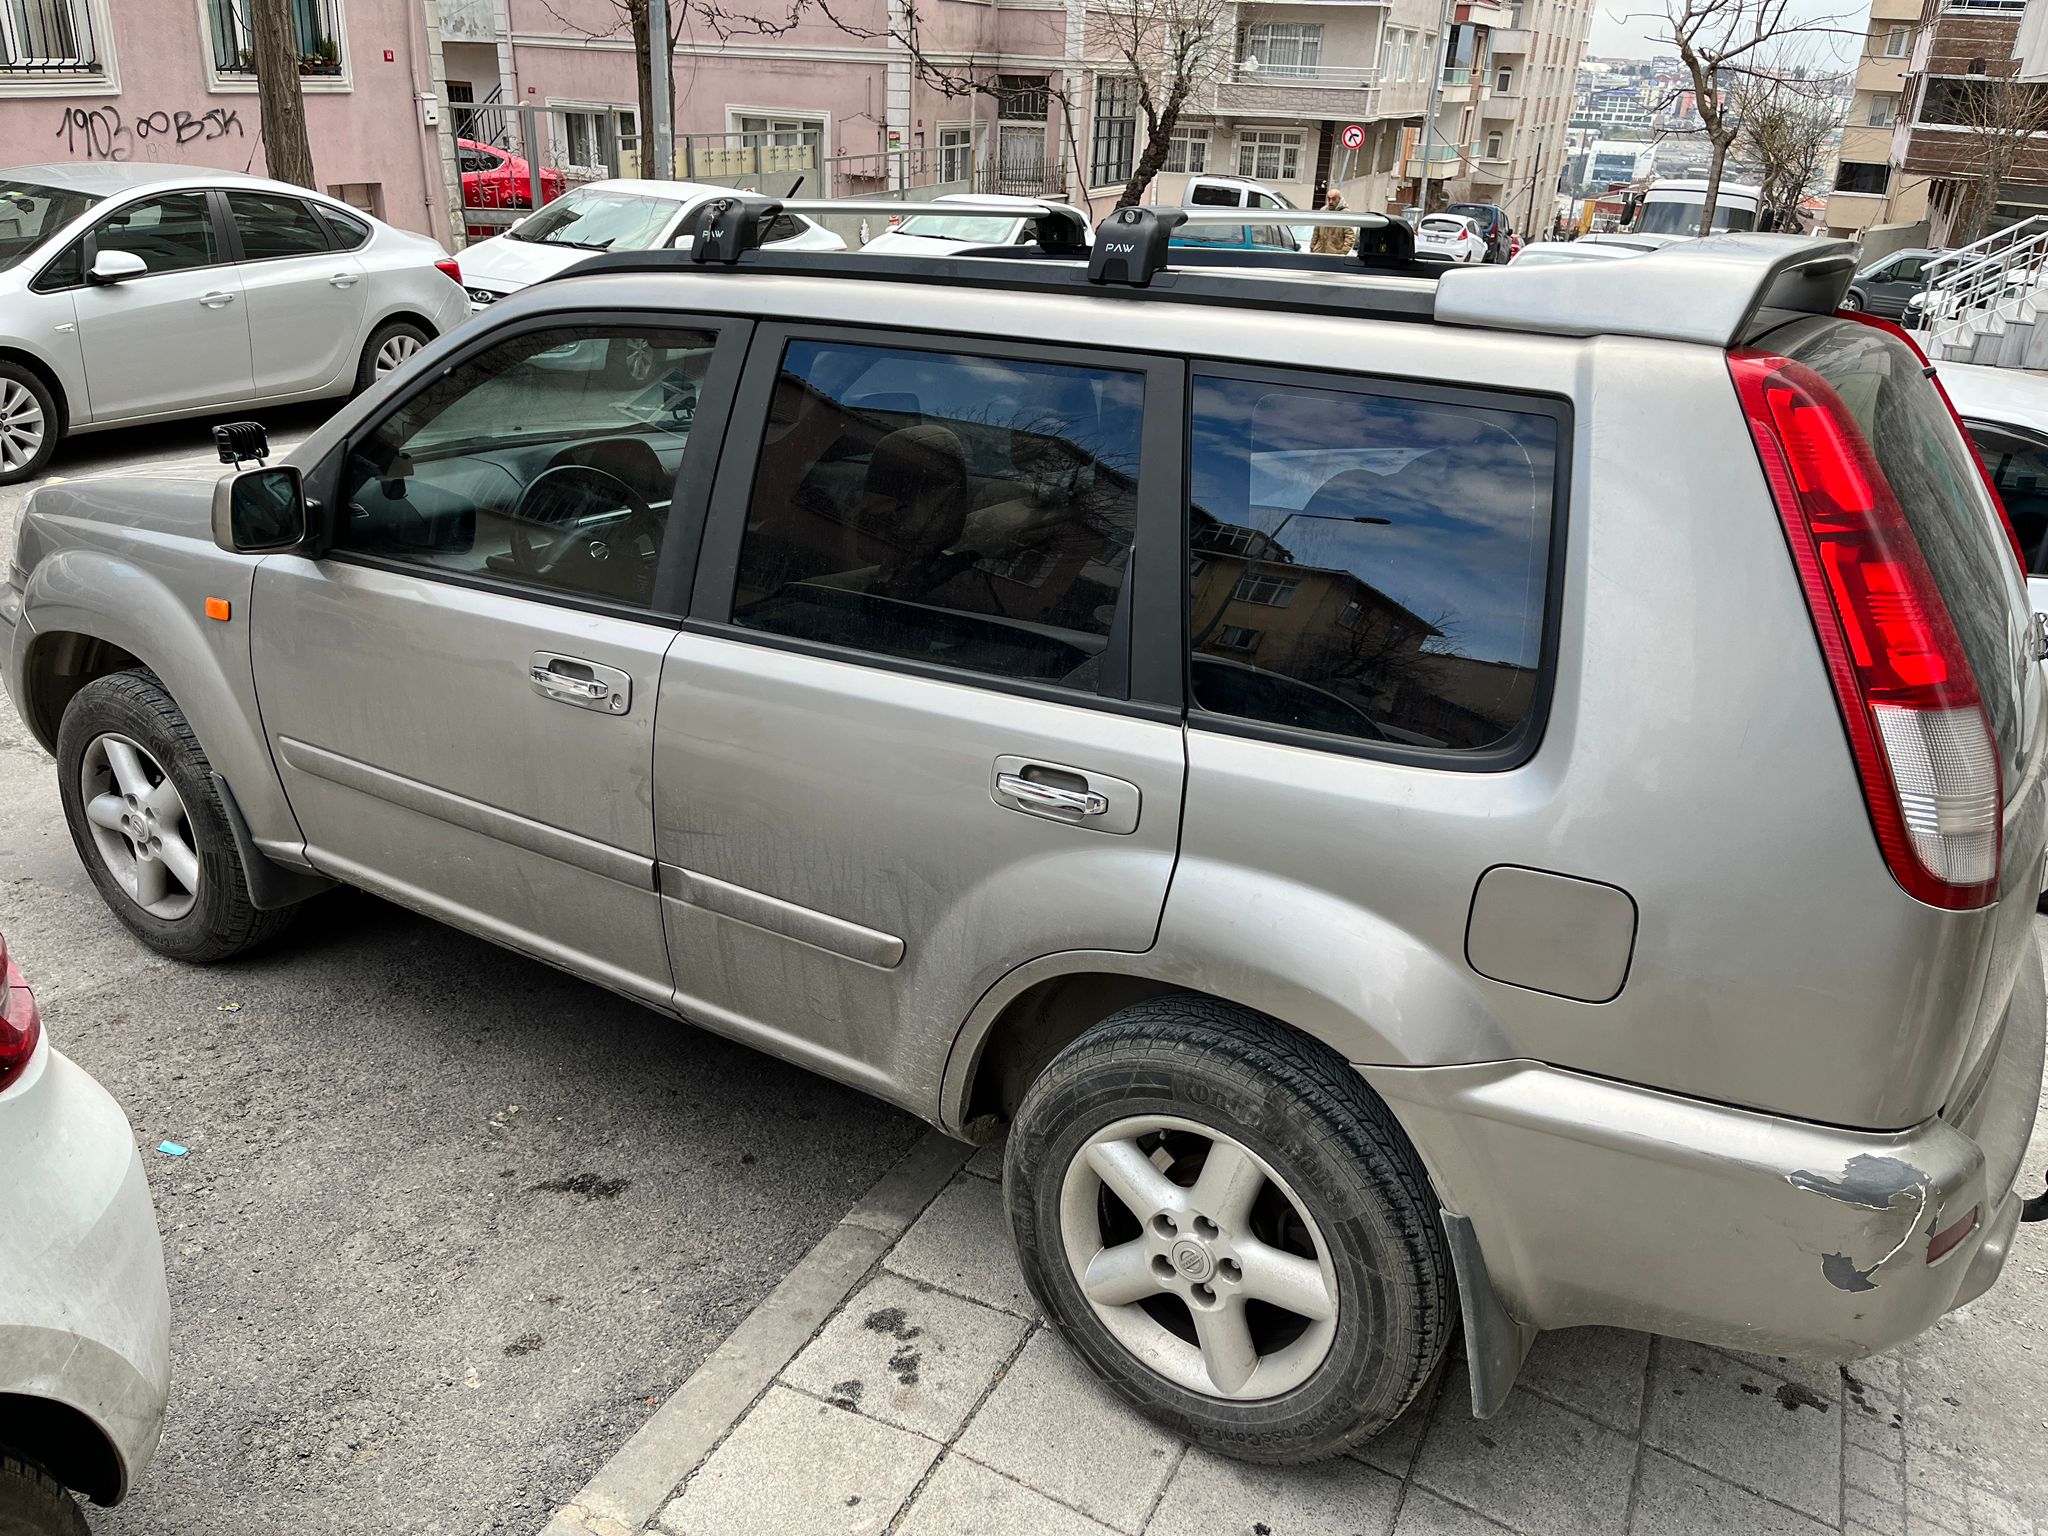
(1517, 795)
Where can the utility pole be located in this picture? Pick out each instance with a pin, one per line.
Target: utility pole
(281, 109)
(661, 72)
(1436, 91)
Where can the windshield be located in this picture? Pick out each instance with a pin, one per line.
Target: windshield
(30, 214)
(972, 231)
(599, 221)
(1668, 218)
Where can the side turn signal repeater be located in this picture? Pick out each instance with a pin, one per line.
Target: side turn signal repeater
(219, 608)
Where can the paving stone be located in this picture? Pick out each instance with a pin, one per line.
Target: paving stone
(1393, 1449)
(1881, 1371)
(1875, 1433)
(1885, 1516)
(1820, 1376)
(1599, 1371)
(1993, 1514)
(908, 1355)
(1774, 1437)
(1210, 1496)
(964, 1498)
(1424, 1514)
(987, 1162)
(962, 1242)
(1053, 1427)
(1676, 1500)
(1876, 1474)
(1538, 1467)
(796, 1464)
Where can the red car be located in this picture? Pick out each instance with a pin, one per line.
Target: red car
(494, 178)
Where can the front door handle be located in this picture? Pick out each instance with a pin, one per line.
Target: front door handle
(585, 684)
(343, 280)
(216, 299)
(1051, 797)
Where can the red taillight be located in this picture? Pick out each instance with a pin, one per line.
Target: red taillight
(20, 1024)
(1891, 328)
(1943, 1242)
(1923, 746)
(450, 268)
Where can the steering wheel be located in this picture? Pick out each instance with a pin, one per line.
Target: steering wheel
(543, 532)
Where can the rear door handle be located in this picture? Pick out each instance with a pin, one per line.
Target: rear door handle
(343, 280)
(1079, 797)
(216, 299)
(585, 684)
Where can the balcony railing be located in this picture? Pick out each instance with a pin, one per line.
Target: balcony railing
(1457, 75)
(47, 37)
(318, 39)
(1254, 72)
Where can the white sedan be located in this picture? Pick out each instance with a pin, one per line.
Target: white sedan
(1450, 237)
(939, 233)
(133, 292)
(621, 214)
(84, 1313)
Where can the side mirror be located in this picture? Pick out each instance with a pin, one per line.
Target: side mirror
(116, 267)
(258, 511)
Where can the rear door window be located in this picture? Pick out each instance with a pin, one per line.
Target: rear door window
(1369, 565)
(271, 226)
(2019, 468)
(1930, 469)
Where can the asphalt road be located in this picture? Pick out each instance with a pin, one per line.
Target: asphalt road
(451, 1224)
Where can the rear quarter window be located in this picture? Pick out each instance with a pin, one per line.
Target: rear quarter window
(1367, 566)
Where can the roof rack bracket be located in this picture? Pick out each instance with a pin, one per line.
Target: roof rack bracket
(1131, 245)
(726, 226)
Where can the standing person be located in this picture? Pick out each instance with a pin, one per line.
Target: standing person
(1329, 241)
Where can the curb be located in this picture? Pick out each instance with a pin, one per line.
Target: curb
(630, 1489)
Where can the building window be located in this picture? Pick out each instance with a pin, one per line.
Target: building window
(756, 132)
(956, 152)
(48, 37)
(1884, 111)
(316, 23)
(1861, 176)
(1269, 154)
(1947, 100)
(583, 136)
(1285, 48)
(1493, 146)
(1235, 637)
(1022, 98)
(1896, 41)
(1272, 591)
(1116, 131)
(1504, 82)
(1188, 154)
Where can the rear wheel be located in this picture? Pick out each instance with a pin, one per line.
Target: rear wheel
(389, 348)
(1230, 1229)
(32, 1503)
(149, 825)
(1852, 301)
(28, 423)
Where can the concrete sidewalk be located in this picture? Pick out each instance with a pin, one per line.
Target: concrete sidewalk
(936, 1402)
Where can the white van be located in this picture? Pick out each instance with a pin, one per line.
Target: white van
(1672, 207)
(1239, 192)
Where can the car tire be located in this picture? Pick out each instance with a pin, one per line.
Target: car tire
(33, 1503)
(1319, 1199)
(390, 347)
(168, 867)
(1852, 301)
(29, 423)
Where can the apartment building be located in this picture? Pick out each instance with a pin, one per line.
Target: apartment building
(1867, 191)
(175, 81)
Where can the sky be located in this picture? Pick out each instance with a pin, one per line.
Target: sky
(1615, 37)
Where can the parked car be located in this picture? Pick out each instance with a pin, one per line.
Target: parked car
(1243, 237)
(885, 661)
(942, 234)
(497, 178)
(136, 292)
(84, 1314)
(2006, 413)
(1886, 285)
(621, 214)
(1549, 253)
(1450, 237)
(1673, 205)
(1493, 223)
(1242, 192)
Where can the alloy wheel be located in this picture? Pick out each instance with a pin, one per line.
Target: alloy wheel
(140, 826)
(395, 352)
(21, 424)
(1198, 1258)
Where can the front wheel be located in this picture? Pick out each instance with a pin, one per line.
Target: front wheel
(1230, 1229)
(1852, 302)
(149, 825)
(32, 1503)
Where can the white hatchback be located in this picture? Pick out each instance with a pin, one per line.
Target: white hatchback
(133, 293)
(1450, 237)
(84, 1312)
(621, 214)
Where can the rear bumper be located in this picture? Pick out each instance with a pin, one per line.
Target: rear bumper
(1600, 1202)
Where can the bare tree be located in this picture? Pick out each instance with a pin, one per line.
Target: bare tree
(1167, 49)
(1786, 125)
(631, 17)
(282, 110)
(1999, 115)
(1719, 41)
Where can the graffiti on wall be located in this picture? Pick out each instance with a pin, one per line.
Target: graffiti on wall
(104, 133)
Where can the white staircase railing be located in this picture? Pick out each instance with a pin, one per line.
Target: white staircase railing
(1985, 286)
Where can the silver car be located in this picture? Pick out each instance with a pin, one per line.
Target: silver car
(132, 293)
(1388, 848)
